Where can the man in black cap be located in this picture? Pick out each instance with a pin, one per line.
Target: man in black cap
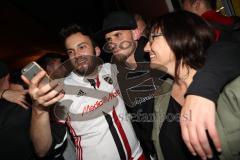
(121, 33)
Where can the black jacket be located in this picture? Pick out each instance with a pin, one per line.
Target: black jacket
(15, 142)
(140, 106)
(222, 65)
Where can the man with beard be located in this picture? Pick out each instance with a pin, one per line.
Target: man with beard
(93, 105)
(135, 78)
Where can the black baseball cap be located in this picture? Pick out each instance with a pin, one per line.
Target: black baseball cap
(118, 20)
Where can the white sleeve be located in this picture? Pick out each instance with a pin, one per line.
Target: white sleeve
(114, 69)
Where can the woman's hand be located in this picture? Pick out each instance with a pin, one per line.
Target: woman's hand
(18, 97)
(197, 117)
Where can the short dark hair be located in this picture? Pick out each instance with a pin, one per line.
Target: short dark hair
(188, 36)
(15, 77)
(45, 60)
(74, 28)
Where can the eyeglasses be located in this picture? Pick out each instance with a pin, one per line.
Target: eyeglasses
(154, 35)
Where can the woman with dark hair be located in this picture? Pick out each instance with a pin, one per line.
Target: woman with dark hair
(181, 41)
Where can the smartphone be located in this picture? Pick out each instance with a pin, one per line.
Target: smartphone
(30, 70)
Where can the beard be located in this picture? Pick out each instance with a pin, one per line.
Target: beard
(119, 58)
(126, 49)
(86, 65)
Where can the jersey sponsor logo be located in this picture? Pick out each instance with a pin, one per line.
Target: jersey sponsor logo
(105, 99)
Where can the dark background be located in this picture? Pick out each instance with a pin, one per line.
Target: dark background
(30, 28)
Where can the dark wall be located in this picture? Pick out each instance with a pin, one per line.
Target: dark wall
(21, 37)
(29, 28)
(150, 8)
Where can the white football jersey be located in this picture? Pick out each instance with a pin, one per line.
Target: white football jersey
(97, 117)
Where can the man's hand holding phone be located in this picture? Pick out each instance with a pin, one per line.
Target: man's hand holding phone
(43, 95)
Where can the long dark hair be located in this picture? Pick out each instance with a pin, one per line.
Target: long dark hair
(188, 36)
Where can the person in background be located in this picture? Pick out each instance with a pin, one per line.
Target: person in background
(142, 36)
(16, 83)
(141, 24)
(8, 91)
(207, 10)
(15, 141)
(53, 64)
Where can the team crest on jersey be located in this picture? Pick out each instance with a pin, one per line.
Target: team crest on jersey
(80, 93)
(108, 79)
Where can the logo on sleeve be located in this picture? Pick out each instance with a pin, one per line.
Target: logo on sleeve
(108, 79)
(80, 93)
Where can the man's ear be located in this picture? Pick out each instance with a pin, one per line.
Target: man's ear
(97, 51)
(136, 34)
